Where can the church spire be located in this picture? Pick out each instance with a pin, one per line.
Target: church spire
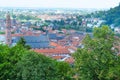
(8, 29)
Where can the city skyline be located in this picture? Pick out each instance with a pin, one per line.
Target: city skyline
(60, 3)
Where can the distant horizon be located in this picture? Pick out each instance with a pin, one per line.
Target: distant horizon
(52, 7)
(86, 4)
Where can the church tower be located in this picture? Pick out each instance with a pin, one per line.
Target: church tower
(8, 29)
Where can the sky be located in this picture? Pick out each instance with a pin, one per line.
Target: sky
(60, 3)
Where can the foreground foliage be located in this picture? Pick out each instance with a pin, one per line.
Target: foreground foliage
(98, 59)
(18, 63)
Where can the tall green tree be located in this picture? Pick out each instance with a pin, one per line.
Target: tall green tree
(8, 60)
(34, 66)
(18, 63)
(22, 42)
(98, 59)
(4, 64)
(63, 71)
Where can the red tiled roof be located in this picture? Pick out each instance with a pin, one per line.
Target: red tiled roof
(56, 45)
(58, 57)
(53, 44)
(72, 47)
(52, 51)
(70, 60)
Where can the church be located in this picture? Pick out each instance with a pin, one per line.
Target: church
(39, 41)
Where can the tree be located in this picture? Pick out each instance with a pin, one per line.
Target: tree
(34, 66)
(98, 60)
(8, 60)
(63, 70)
(14, 16)
(4, 64)
(18, 63)
(22, 42)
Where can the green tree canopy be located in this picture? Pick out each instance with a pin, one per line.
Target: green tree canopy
(8, 60)
(35, 66)
(18, 63)
(98, 60)
(22, 42)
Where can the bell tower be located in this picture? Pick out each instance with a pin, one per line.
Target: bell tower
(8, 29)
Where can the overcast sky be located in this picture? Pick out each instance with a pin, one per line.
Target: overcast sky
(60, 3)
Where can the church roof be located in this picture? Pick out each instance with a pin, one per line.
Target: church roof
(41, 41)
(54, 36)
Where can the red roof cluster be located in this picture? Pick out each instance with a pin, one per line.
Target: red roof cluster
(58, 57)
(70, 60)
(56, 45)
(55, 51)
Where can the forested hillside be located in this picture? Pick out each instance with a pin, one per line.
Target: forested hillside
(112, 16)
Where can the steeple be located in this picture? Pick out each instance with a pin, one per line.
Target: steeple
(8, 29)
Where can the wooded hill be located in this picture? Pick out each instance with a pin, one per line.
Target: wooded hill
(112, 16)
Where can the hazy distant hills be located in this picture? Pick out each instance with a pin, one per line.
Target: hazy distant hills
(112, 16)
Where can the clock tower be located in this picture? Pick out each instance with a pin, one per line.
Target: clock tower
(8, 29)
